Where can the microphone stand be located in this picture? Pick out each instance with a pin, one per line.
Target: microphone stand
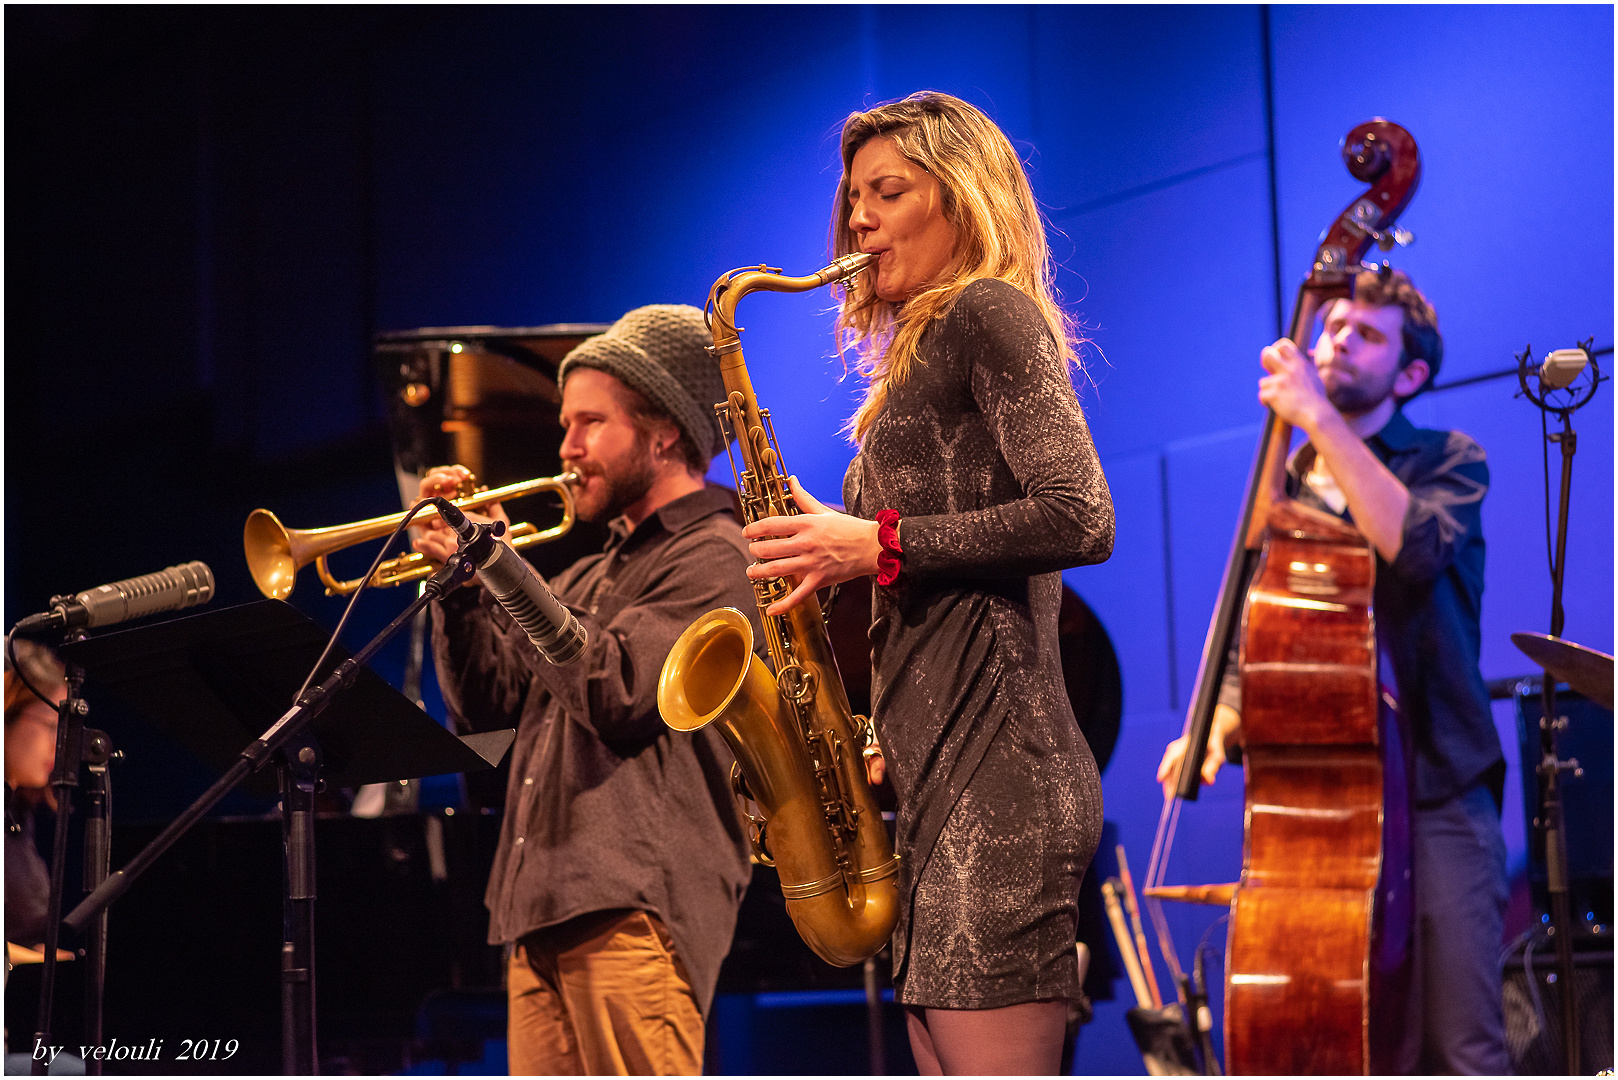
(1549, 823)
(299, 770)
(98, 756)
(299, 780)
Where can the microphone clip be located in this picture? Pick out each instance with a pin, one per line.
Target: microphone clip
(461, 568)
(475, 536)
(1560, 374)
(478, 542)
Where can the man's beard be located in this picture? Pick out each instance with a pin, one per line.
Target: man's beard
(1358, 397)
(624, 483)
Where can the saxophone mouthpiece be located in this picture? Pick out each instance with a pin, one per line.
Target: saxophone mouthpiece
(845, 267)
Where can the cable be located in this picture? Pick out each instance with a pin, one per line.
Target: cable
(337, 633)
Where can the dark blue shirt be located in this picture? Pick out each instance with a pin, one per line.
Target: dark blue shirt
(1428, 605)
(28, 879)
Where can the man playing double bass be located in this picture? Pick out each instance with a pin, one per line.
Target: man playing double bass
(1416, 495)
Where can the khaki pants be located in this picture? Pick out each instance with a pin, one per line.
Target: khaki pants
(602, 994)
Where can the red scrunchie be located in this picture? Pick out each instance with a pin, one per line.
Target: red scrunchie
(888, 564)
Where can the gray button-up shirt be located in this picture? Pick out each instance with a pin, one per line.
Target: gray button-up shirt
(607, 807)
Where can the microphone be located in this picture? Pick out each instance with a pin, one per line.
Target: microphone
(521, 591)
(177, 587)
(1561, 368)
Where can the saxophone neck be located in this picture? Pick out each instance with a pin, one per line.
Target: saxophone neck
(728, 291)
(762, 482)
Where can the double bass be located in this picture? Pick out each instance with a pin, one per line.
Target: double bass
(1320, 927)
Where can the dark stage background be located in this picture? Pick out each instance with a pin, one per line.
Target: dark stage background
(211, 211)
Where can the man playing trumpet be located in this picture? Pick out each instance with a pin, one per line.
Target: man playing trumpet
(621, 861)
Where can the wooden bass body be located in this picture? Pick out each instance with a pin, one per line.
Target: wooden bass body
(1320, 924)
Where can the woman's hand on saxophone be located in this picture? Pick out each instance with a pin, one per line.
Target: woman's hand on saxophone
(818, 547)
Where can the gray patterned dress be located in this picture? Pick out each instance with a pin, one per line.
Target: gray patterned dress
(985, 454)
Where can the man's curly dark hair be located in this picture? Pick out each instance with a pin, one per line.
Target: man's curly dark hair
(1419, 334)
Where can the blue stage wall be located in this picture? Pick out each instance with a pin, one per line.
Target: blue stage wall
(1145, 133)
(518, 166)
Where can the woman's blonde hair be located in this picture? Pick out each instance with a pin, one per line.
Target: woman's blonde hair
(998, 234)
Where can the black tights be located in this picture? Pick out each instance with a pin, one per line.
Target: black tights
(1023, 1040)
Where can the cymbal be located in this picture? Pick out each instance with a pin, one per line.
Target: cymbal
(1585, 670)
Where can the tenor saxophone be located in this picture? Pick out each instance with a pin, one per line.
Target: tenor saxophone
(799, 749)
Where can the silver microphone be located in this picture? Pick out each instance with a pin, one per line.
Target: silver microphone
(177, 587)
(521, 591)
(1561, 368)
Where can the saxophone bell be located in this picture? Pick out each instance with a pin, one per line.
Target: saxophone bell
(713, 676)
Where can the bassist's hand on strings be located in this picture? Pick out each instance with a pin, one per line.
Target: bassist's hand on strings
(1342, 396)
(818, 547)
(1293, 387)
(1227, 729)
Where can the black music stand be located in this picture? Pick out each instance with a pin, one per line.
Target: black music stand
(214, 682)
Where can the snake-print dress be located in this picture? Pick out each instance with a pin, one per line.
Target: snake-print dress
(985, 454)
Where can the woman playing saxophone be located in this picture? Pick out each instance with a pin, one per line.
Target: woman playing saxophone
(975, 484)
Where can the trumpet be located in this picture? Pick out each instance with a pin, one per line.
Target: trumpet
(276, 553)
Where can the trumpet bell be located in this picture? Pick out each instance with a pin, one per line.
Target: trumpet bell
(269, 555)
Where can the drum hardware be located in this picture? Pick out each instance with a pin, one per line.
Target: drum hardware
(1587, 671)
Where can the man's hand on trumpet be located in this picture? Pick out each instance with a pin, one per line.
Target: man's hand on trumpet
(433, 538)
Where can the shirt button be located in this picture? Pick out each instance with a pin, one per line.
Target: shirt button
(519, 839)
(527, 780)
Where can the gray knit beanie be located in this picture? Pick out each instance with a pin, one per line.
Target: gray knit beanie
(661, 350)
